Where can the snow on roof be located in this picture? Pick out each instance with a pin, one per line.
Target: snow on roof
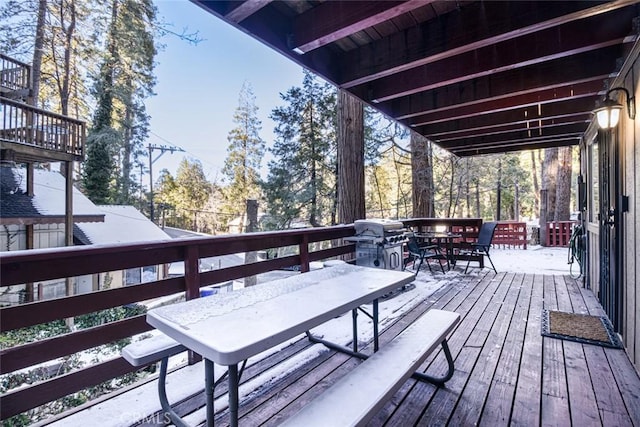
(122, 224)
(49, 193)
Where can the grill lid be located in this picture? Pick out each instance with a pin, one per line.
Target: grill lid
(377, 227)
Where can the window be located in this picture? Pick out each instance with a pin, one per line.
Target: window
(134, 276)
(594, 182)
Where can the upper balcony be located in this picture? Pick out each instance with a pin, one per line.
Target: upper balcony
(15, 78)
(29, 134)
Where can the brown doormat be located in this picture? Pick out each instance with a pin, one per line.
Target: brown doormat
(579, 327)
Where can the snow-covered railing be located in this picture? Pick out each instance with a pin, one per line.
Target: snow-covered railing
(27, 125)
(37, 266)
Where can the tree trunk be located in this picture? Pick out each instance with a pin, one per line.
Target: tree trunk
(422, 176)
(467, 190)
(549, 178)
(127, 145)
(38, 50)
(66, 71)
(516, 202)
(536, 187)
(543, 217)
(563, 186)
(478, 214)
(252, 256)
(499, 192)
(351, 204)
(548, 191)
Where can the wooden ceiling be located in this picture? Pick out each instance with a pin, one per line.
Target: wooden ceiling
(475, 77)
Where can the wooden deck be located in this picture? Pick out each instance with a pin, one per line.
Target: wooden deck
(506, 372)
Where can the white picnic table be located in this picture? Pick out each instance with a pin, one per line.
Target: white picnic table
(229, 328)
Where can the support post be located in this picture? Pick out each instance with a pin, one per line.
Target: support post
(351, 203)
(251, 256)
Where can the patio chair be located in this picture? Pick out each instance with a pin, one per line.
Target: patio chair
(482, 245)
(421, 252)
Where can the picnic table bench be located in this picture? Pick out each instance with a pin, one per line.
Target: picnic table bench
(359, 395)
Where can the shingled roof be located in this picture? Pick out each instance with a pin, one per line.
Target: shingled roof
(47, 205)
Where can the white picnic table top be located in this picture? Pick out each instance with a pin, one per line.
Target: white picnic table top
(231, 327)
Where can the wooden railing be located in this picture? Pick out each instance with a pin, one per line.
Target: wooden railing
(15, 76)
(559, 233)
(24, 124)
(510, 234)
(36, 266)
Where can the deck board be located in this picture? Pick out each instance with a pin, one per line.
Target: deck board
(506, 373)
(526, 404)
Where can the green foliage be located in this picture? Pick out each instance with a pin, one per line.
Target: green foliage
(185, 194)
(244, 154)
(301, 180)
(33, 333)
(101, 317)
(98, 169)
(67, 364)
(124, 81)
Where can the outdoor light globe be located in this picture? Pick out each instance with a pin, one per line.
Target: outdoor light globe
(608, 117)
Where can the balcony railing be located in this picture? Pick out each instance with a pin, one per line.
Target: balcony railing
(15, 77)
(30, 126)
(510, 234)
(559, 233)
(36, 266)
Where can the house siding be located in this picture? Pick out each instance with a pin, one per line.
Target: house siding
(627, 135)
(14, 237)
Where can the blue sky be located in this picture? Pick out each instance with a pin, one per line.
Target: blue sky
(198, 87)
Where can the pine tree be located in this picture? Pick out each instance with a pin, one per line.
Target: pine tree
(244, 154)
(98, 167)
(125, 80)
(301, 181)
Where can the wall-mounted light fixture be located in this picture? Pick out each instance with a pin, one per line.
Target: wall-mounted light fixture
(609, 114)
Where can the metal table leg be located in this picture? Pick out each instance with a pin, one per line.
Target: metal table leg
(376, 337)
(209, 389)
(233, 395)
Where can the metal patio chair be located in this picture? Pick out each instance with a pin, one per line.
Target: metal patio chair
(482, 246)
(421, 252)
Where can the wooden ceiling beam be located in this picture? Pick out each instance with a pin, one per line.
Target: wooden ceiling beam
(242, 10)
(563, 72)
(559, 42)
(524, 125)
(333, 20)
(480, 143)
(581, 90)
(435, 40)
(524, 98)
(548, 111)
(533, 134)
(519, 146)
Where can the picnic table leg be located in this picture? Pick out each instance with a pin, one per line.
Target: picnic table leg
(354, 320)
(234, 400)
(439, 381)
(375, 326)
(209, 385)
(162, 394)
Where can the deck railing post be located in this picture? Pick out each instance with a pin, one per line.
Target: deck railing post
(192, 285)
(304, 254)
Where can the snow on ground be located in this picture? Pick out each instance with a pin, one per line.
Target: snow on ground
(137, 404)
(533, 260)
